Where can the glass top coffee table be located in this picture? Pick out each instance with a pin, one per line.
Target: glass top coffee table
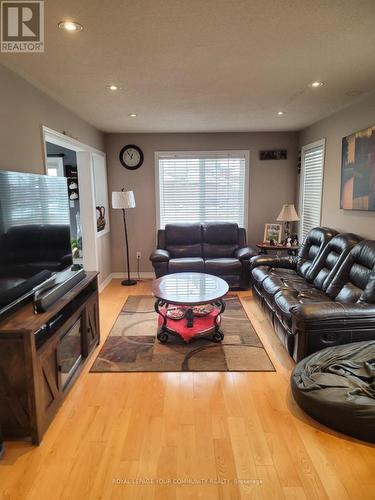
(189, 305)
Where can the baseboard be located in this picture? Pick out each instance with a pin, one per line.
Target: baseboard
(134, 275)
(121, 276)
(105, 283)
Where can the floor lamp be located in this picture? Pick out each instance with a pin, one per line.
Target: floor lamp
(124, 200)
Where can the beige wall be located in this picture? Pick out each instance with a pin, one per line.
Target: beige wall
(271, 183)
(23, 111)
(333, 129)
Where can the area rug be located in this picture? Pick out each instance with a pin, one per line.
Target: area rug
(132, 345)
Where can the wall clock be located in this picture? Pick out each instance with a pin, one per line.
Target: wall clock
(131, 157)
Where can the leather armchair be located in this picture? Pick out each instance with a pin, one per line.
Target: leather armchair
(214, 248)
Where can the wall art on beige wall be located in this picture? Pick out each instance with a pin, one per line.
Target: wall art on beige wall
(358, 171)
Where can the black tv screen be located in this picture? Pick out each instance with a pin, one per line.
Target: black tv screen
(34, 232)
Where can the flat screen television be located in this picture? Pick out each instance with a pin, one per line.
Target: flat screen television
(34, 233)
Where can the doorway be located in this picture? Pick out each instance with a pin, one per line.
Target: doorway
(62, 162)
(86, 173)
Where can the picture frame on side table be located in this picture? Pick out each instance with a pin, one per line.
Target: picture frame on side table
(272, 232)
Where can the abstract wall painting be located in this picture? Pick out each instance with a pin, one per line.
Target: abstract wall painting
(358, 171)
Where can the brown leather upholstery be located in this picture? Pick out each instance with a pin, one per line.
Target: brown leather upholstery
(307, 304)
(217, 248)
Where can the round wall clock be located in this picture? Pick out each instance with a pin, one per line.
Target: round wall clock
(131, 157)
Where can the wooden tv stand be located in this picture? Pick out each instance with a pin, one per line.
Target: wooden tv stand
(36, 351)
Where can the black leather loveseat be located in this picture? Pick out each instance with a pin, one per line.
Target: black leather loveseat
(217, 248)
(325, 296)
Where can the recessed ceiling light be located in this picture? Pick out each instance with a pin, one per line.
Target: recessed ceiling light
(70, 26)
(281, 113)
(112, 87)
(133, 115)
(316, 84)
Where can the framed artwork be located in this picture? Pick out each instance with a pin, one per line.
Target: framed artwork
(358, 171)
(272, 232)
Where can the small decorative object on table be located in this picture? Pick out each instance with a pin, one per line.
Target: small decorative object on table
(189, 305)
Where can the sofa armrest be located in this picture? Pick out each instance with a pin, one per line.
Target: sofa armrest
(160, 255)
(274, 261)
(331, 314)
(245, 253)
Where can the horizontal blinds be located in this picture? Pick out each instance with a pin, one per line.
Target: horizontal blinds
(313, 163)
(29, 199)
(201, 188)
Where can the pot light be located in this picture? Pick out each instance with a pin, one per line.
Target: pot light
(281, 113)
(132, 115)
(316, 84)
(112, 87)
(70, 26)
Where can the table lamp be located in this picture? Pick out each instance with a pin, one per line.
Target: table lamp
(124, 200)
(287, 215)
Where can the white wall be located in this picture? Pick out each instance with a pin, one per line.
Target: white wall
(333, 129)
(23, 111)
(271, 183)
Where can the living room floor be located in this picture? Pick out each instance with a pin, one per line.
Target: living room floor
(181, 427)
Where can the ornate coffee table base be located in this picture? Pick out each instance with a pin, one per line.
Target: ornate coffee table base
(190, 326)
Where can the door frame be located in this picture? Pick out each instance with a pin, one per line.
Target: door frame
(85, 169)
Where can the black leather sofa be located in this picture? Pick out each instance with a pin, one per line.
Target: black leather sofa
(324, 296)
(217, 248)
(29, 249)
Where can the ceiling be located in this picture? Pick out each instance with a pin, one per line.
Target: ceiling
(204, 65)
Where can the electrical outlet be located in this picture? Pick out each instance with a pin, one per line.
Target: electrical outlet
(138, 255)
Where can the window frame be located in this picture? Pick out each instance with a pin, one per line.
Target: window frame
(306, 147)
(200, 154)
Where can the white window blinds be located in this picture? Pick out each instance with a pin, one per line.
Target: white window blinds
(202, 187)
(311, 186)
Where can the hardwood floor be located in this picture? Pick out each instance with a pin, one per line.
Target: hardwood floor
(176, 428)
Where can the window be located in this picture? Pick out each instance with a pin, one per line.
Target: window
(202, 186)
(312, 157)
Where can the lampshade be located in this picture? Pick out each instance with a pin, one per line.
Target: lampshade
(288, 213)
(123, 199)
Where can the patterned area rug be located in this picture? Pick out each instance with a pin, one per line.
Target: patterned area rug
(132, 345)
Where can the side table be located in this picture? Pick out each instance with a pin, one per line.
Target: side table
(265, 247)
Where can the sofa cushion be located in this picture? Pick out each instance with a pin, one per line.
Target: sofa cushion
(353, 277)
(331, 259)
(183, 240)
(285, 300)
(220, 240)
(187, 264)
(223, 266)
(314, 243)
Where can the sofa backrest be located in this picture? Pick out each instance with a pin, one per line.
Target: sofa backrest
(182, 240)
(220, 239)
(331, 258)
(355, 280)
(311, 248)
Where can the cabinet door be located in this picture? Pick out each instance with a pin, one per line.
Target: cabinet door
(92, 324)
(49, 395)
